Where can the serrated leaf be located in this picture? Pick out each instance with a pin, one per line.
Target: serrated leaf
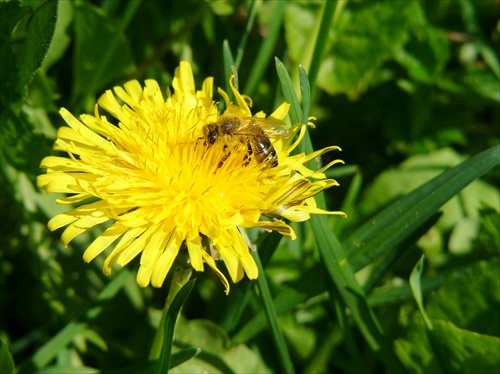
(10, 14)
(465, 351)
(102, 54)
(40, 30)
(366, 35)
(447, 349)
(470, 299)
(216, 355)
(427, 51)
(61, 39)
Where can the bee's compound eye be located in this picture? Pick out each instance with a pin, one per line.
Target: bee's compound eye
(212, 136)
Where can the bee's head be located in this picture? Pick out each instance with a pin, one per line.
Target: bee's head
(210, 132)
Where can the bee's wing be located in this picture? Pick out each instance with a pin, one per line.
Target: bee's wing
(276, 128)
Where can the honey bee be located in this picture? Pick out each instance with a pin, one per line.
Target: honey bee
(252, 134)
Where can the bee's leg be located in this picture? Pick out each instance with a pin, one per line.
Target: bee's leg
(224, 158)
(248, 156)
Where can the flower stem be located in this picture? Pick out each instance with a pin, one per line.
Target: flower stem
(180, 276)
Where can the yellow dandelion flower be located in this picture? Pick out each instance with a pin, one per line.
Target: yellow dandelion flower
(168, 179)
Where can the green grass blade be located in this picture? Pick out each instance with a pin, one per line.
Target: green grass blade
(329, 8)
(279, 340)
(50, 349)
(227, 56)
(401, 250)
(395, 294)
(416, 288)
(248, 27)
(340, 271)
(238, 300)
(309, 285)
(388, 228)
(266, 50)
(305, 91)
(184, 355)
(96, 79)
(295, 112)
(170, 319)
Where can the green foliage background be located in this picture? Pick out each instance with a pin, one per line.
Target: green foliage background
(409, 89)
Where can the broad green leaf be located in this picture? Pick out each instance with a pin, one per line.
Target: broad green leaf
(72, 369)
(61, 39)
(470, 299)
(366, 35)
(65, 336)
(427, 51)
(39, 32)
(21, 146)
(447, 349)
(216, 355)
(6, 361)
(101, 54)
(414, 350)
(170, 319)
(464, 351)
(10, 15)
(483, 83)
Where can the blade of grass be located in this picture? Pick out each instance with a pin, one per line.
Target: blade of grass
(50, 349)
(345, 327)
(330, 12)
(335, 260)
(401, 250)
(180, 298)
(279, 340)
(295, 112)
(311, 284)
(227, 56)
(397, 229)
(388, 228)
(92, 85)
(340, 271)
(416, 288)
(305, 90)
(248, 27)
(266, 49)
(237, 301)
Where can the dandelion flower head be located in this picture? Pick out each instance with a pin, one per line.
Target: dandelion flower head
(164, 189)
